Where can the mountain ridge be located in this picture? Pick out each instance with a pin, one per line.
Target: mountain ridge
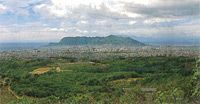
(111, 40)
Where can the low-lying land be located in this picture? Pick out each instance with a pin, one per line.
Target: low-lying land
(111, 80)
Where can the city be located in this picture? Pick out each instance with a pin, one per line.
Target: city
(102, 52)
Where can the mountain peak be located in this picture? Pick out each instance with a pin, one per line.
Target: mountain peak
(111, 36)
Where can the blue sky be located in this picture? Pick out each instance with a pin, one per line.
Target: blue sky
(51, 20)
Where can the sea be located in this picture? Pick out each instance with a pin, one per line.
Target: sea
(21, 46)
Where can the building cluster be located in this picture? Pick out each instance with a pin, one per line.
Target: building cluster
(101, 52)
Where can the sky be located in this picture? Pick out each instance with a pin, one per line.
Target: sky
(51, 20)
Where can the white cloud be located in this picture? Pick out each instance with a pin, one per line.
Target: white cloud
(3, 8)
(82, 23)
(160, 20)
(44, 33)
(55, 29)
(167, 8)
(4, 29)
(60, 18)
(33, 32)
(19, 7)
(86, 9)
(132, 22)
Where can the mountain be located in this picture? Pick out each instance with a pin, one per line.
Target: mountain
(166, 40)
(111, 40)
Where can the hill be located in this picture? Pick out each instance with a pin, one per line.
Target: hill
(111, 40)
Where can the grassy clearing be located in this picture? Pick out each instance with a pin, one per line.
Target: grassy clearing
(6, 96)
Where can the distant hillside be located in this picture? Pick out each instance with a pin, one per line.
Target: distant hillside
(111, 40)
(169, 40)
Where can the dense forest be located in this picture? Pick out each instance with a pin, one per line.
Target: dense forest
(116, 80)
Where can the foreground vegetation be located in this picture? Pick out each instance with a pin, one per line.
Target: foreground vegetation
(103, 81)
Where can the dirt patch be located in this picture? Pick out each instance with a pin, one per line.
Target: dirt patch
(129, 79)
(58, 69)
(41, 70)
(46, 69)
